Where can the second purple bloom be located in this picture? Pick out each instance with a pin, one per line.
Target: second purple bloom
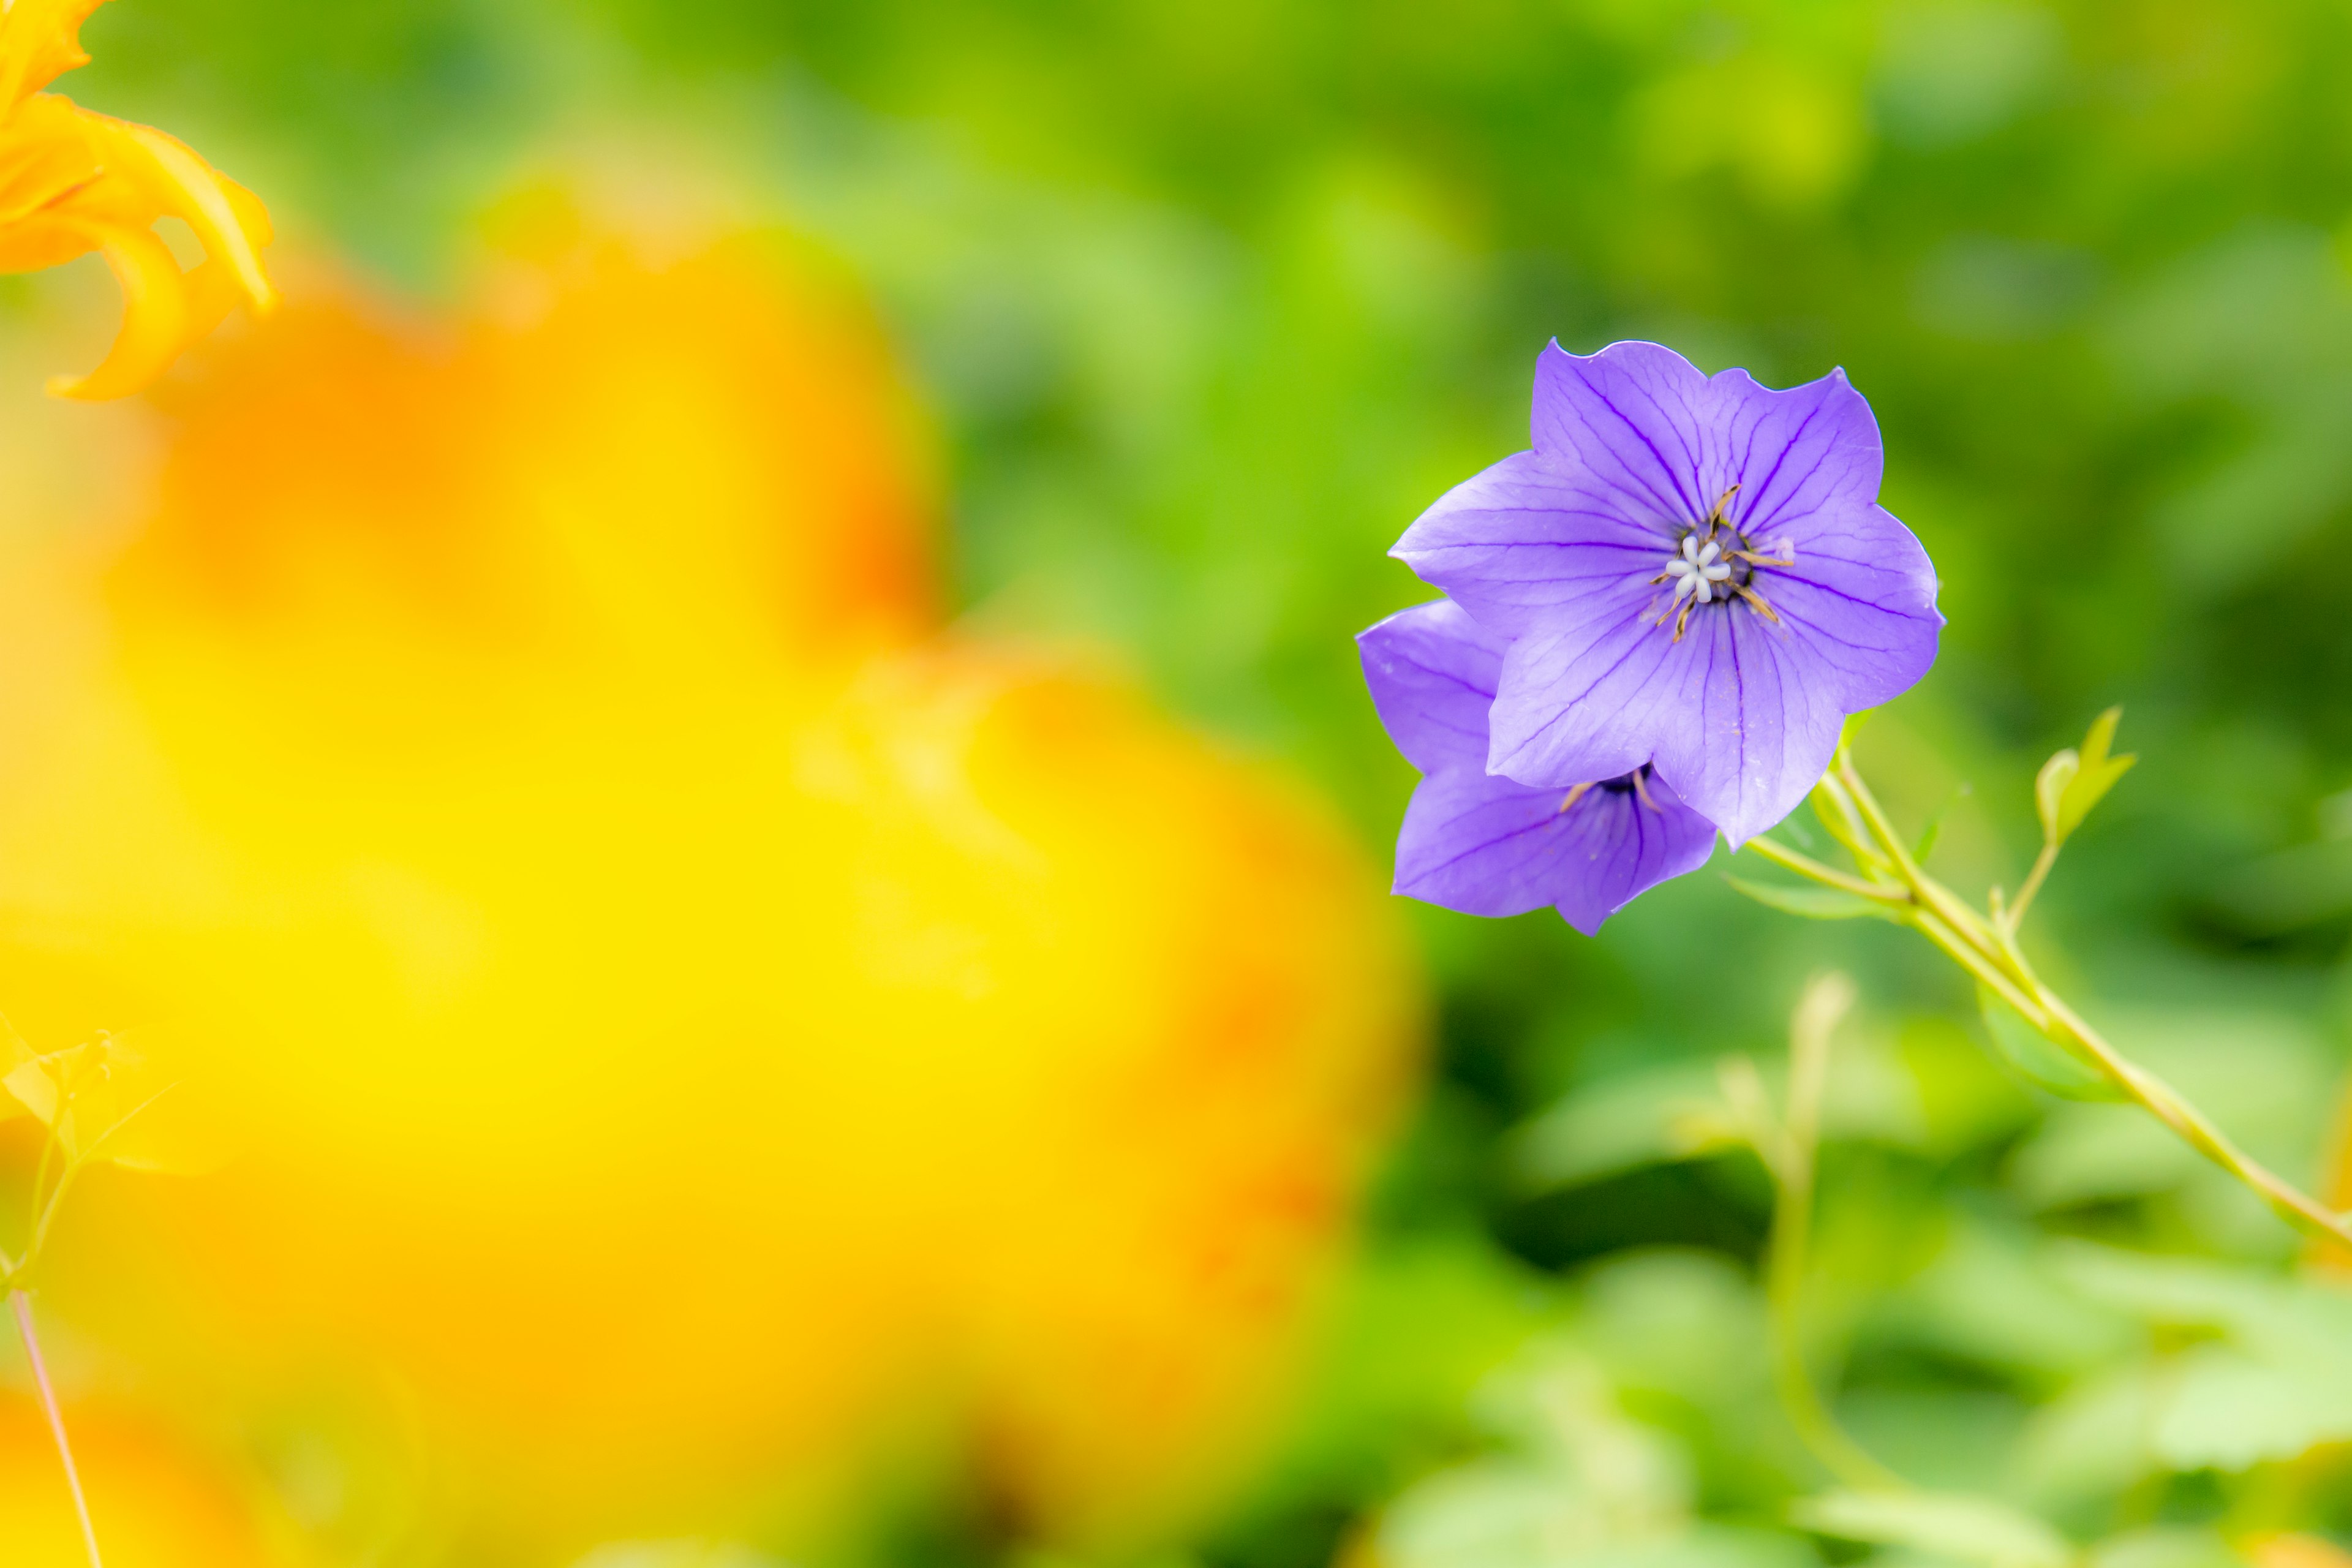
(1485, 845)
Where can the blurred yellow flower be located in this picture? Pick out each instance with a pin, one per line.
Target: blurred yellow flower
(696, 1021)
(72, 181)
(163, 1505)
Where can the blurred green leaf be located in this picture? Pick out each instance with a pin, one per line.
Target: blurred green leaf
(1964, 1529)
(1633, 1119)
(2035, 1057)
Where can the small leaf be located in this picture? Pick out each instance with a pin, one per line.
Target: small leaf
(1942, 1524)
(2070, 782)
(2036, 1058)
(2096, 774)
(1928, 834)
(1816, 903)
(2050, 790)
(1834, 822)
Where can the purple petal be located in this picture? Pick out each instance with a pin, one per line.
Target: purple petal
(1585, 700)
(1791, 453)
(1632, 421)
(1486, 846)
(1433, 670)
(1861, 597)
(1757, 720)
(1524, 543)
(1741, 716)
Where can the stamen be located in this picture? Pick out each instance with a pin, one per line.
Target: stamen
(1568, 802)
(1756, 599)
(1642, 788)
(1721, 501)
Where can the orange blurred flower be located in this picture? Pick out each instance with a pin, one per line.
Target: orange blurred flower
(697, 1021)
(72, 181)
(162, 1505)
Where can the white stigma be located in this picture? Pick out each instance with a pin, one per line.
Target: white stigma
(1698, 568)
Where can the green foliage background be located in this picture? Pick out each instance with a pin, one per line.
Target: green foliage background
(1213, 295)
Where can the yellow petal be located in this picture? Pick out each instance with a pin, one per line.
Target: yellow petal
(40, 41)
(230, 220)
(47, 156)
(154, 318)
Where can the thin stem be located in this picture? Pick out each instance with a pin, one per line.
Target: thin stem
(50, 1211)
(2168, 1105)
(1926, 888)
(1792, 1209)
(1807, 866)
(2033, 880)
(1846, 828)
(1988, 950)
(22, 1306)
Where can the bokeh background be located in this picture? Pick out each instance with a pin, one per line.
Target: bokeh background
(1078, 364)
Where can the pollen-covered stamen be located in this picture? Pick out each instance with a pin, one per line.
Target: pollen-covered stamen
(1633, 783)
(1640, 777)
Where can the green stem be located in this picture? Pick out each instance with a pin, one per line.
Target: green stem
(1987, 949)
(1792, 1213)
(1806, 866)
(2033, 880)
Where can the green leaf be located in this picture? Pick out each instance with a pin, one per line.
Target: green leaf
(1816, 903)
(1943, 1524)
(1645, 1117)
(1928, 834)
(1833, 821)
(2070, 782)
(2035, 1057)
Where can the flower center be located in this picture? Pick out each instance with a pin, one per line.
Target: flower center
(1635, 784)
(1714, 563)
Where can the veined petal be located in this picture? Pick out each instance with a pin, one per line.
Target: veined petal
(1744, 723)
(40, 40)
(1791, 453)
(1630, 423)
(1485, 846)
(1582, 701)
(154, 318)
(1861, 602)
(1523, 542)
(1431, 670)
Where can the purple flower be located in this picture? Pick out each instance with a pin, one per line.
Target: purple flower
(1485, 845)
(1693, 570)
